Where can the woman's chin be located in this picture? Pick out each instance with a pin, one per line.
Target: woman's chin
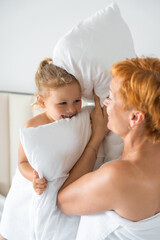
(109, 126)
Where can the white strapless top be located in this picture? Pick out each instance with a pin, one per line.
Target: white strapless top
(110, 226)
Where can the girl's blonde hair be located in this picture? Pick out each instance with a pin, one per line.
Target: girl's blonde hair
(50, 76)
(140, 89)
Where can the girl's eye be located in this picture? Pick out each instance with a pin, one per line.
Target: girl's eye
(77, 101)
(62, 103)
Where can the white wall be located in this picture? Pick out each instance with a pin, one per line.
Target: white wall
(29, 30)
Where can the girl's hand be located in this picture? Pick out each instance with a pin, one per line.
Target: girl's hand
(39, 184)
(99, 119)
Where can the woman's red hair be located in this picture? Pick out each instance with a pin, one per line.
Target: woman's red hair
(140, 89)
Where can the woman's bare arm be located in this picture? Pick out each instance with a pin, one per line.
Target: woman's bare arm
(93, 193)
(87, 161)
(85, 164)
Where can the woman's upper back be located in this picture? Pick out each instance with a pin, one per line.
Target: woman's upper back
(138, 184)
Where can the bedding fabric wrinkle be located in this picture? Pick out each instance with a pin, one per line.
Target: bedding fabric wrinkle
(15, 218)
(47, 221)
(111, 226)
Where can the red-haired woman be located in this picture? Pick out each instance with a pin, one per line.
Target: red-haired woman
(121, 200)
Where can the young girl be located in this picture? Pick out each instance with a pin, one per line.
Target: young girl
(60, 94)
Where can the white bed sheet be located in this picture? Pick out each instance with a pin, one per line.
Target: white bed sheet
(2, 200)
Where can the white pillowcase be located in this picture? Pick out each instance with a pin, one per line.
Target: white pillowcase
(113, 147)
(52, 150)
(57, 145)
(90, 48)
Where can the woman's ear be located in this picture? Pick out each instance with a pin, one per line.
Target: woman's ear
(136, 118)
(40, 101)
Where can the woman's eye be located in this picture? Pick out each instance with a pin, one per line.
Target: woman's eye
(108, 97)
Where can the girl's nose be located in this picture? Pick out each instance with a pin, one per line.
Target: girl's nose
(71, 109)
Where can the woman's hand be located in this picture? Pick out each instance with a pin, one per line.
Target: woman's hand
(39, 184)
(99, 119)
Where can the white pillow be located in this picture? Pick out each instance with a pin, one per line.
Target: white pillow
(113, 147)
(52, 150)
(57, 145)
(90, 48)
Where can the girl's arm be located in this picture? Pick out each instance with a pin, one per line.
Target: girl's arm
(23, 164)
(28, 172)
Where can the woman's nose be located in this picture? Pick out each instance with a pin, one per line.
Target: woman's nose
(106, 101)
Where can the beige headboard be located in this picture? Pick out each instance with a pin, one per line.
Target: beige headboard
(15, 109)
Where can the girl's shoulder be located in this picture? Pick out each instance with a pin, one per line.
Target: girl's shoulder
(36, 121)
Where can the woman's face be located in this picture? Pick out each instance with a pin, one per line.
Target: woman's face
(118, 119)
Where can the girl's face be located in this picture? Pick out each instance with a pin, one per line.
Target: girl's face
(118, 119)
(63, 102)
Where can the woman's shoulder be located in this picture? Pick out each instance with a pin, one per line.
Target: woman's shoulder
(123, 176)
(118, 174)
(118, 167)
(36, 121)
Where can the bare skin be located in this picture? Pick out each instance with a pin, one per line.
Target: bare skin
(2, 238)
(129, 186)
